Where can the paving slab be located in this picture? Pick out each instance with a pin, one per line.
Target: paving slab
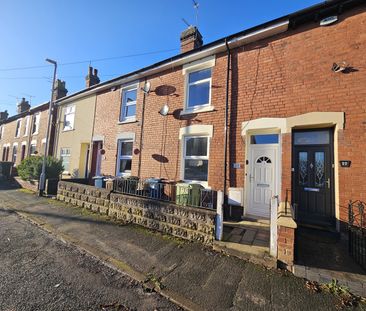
(195, 273)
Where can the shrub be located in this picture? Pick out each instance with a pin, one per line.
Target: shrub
(31, 167)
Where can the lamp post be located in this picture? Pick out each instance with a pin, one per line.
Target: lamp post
(42, 178)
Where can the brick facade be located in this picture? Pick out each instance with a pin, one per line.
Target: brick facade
(283, 76)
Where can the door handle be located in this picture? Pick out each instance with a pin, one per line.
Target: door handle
(328, 183)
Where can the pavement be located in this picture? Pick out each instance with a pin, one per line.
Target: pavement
(39, 272)
(191, 275)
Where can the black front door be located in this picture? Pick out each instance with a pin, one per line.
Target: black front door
(313, 177)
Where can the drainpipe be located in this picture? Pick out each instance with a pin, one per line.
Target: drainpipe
(142, 130)
(226, 117)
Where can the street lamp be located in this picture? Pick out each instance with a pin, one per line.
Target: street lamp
(42, 178)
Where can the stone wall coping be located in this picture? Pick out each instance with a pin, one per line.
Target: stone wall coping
(285, 219)
(188, 208)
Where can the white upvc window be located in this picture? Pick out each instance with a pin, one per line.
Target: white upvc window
(69, 117)
(35, 123)
(65, 154)
(18, 127)
(2, 128)
(14, 155)
(33, 148)
(26, 126)
(128, 106)
(124, 157)
(196, 158)
(198, 94)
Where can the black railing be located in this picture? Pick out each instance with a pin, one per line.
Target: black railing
(179, 193)
(357, 231)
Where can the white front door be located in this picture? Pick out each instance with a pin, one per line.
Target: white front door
(262, 179)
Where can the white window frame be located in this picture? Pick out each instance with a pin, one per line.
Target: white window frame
(33, 143)
(185, 157)
(15, 145)
(26, 126)
(67, 154)
(18, 129)
(37, 117)
(202, 64)
(123, 157)
(2, 129)
(69, 111)
(122, 117)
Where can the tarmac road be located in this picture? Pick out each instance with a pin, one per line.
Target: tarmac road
(38, 272)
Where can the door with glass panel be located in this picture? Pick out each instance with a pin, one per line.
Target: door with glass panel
(313, 186)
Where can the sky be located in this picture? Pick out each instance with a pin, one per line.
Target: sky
(132, 34)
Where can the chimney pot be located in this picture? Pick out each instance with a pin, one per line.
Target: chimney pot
(3, 115)
(60, 89)
(92, 77)
(190, 39)
(23, 106)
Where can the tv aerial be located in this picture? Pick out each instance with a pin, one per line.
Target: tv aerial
(195, 6)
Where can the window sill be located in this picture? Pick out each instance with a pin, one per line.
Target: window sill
(197, 110)
(128, 121)
(68, 130)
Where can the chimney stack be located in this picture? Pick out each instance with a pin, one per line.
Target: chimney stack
(23, 106)
(190, 39)
(3, 115)
(92, 77)
(59, 89)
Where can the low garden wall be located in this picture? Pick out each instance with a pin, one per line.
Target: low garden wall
(190, 223)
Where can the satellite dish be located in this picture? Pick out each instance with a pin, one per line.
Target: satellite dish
(147, 87)
(164, 110)
(328, 20)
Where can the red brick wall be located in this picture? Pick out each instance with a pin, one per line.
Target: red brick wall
(285, 75)
(285, 245)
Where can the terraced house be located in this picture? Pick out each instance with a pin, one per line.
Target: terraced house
(273, 116)
(259, 114)
(74, 127)
(24, 134)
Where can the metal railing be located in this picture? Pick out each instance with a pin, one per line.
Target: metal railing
(357, 231)
(193, 195)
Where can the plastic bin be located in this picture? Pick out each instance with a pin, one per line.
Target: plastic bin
(154, 188)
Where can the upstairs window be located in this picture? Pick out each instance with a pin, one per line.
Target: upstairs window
(69, 117)
(199, 89)
(17, 128)
(2, 127)
(124, 158)
(128, 108)
(195, 162)
(35, 123)
(26, 126)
